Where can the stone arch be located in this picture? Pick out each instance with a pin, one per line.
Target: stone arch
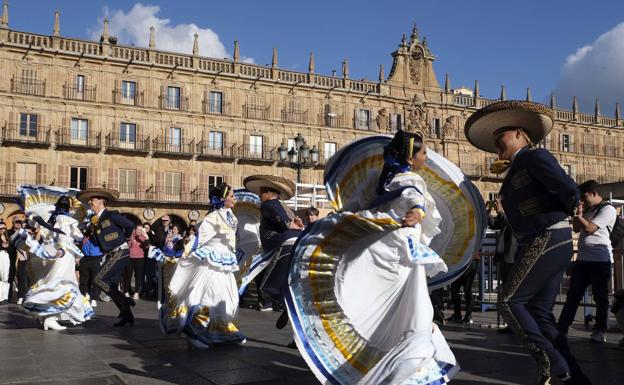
(15, 214)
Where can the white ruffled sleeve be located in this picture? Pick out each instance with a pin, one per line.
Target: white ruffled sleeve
(208, 229)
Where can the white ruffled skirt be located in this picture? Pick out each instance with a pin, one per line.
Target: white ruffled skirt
(202, 299)
(360, 304)
(56, 291)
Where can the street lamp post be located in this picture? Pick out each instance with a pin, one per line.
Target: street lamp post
(300, 156)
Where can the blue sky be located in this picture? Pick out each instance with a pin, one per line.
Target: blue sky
(537, 44)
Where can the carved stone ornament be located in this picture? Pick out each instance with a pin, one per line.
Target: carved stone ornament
(417, 116)
(415, 65)
(382, 120)
(448, 129)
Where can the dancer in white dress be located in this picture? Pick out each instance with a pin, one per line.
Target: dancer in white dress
(358, 298)
(202, 294)
(55, 295)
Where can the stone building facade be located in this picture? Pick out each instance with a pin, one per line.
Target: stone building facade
(163, 127)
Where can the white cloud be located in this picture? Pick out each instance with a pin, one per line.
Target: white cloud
(595, 71)
(133, 27)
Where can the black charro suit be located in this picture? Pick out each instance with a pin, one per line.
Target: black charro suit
(111, 231)
(538, 197)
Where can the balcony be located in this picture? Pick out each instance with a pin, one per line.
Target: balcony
(128, 99)
(217, 109)
(86, 94)
(175, 104)
(330, 119)
(257, 153)
(139, 143)
(73, 138)
(610, 151)
(474, 170)
(207, 149)
(166, 194)
(8, 187)
(255, 111)
(38, 135)
(28, 86)
(295, 116)
(168, 147)
(589, 149)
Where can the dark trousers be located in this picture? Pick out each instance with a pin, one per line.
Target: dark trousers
(134, 266)
(12, 272)
(464, 281)
(111, 274)
(150, 283)
(584, 273)
(527, 299)
(23, 280)
(89, 267)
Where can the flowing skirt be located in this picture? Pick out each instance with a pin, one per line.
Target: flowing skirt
(202, 300)
(56, 291)
(360, 305)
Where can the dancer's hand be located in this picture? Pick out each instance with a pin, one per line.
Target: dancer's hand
(412, 217)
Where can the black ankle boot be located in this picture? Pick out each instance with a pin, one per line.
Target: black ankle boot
(126, 318)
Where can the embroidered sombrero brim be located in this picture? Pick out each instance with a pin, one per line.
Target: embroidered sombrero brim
(98, 192)
(536, 119)
(285, 187)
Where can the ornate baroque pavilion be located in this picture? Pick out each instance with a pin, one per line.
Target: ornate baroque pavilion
(162, 127)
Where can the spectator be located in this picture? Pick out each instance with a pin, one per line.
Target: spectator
(138, 243)
(594, 221)
(150, 283)
(506, 243)
(89, 266)
(17, 226)
(23, 280)
(161, 229)
(465, 281)
(173, 243)
(5, 265)
(312, 214)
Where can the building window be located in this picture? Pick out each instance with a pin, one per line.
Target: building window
(215, 140)
(396, 122)
(173, 183)
(28, 124)
(215, 100)
(568, 169)
(25, 173)
(173, 98)
(492, 196)
(330, 150)
(566, 143)
(79, 129)
(127, 133)
(362, 119)
(214, 180)
(127, 183)
(255, 145)
(80, 83)
(78, 177)
(128, 89)
(436, 128)
(174, 140)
